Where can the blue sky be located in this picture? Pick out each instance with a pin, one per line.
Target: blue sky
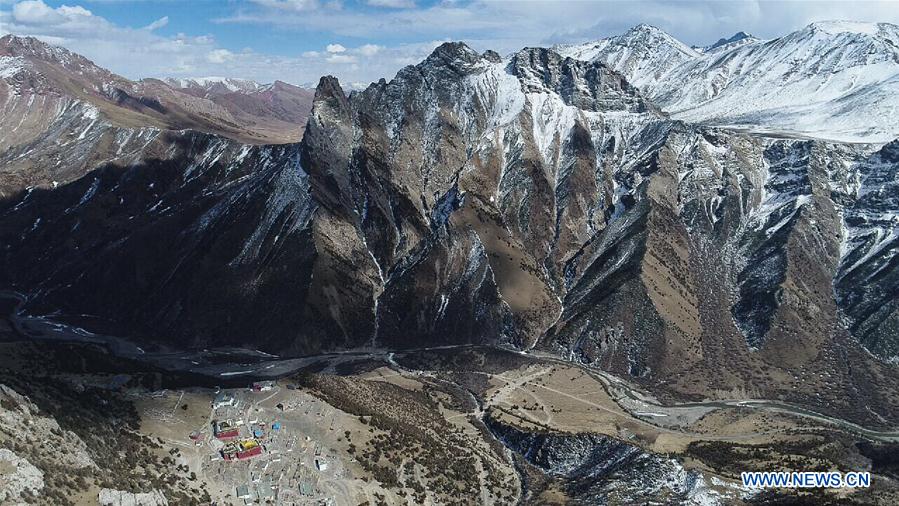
(360, 41)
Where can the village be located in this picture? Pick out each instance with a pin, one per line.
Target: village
(269, 443)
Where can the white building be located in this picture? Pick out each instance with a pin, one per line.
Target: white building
(224, 399)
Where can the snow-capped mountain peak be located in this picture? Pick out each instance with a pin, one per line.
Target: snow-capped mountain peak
(647, 31)
(216, 84)
(859, 27)
(832, 79)
(643, 54)
(737, 39)
(25, 52)
(640, 38)
(33, 48)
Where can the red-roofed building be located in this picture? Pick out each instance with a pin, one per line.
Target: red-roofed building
(252, 452)
(230, 453)
(228, 434)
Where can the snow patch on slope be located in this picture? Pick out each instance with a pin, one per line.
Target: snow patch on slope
(11, 65)
(499, 92)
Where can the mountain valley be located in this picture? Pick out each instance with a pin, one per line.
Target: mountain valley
(591, 264)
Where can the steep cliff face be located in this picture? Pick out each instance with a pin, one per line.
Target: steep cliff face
(452, 173)
(212, 239)
(867, 278)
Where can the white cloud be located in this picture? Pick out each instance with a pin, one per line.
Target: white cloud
(341, 58)
(290, 5)
(133, 52)
(508, 25)
(159, 23)
(141, 52)
(36, 12)
(219, 56)
(72, 11)
(369, 49)
(392, 4)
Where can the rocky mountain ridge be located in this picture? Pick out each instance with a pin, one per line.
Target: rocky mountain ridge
(215, 85)
(832, 80)
(59, 106)
(643, 54)
(242, 97)
(734, 40)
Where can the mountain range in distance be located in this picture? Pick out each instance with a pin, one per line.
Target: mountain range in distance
(832, 80)
(49, 92)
